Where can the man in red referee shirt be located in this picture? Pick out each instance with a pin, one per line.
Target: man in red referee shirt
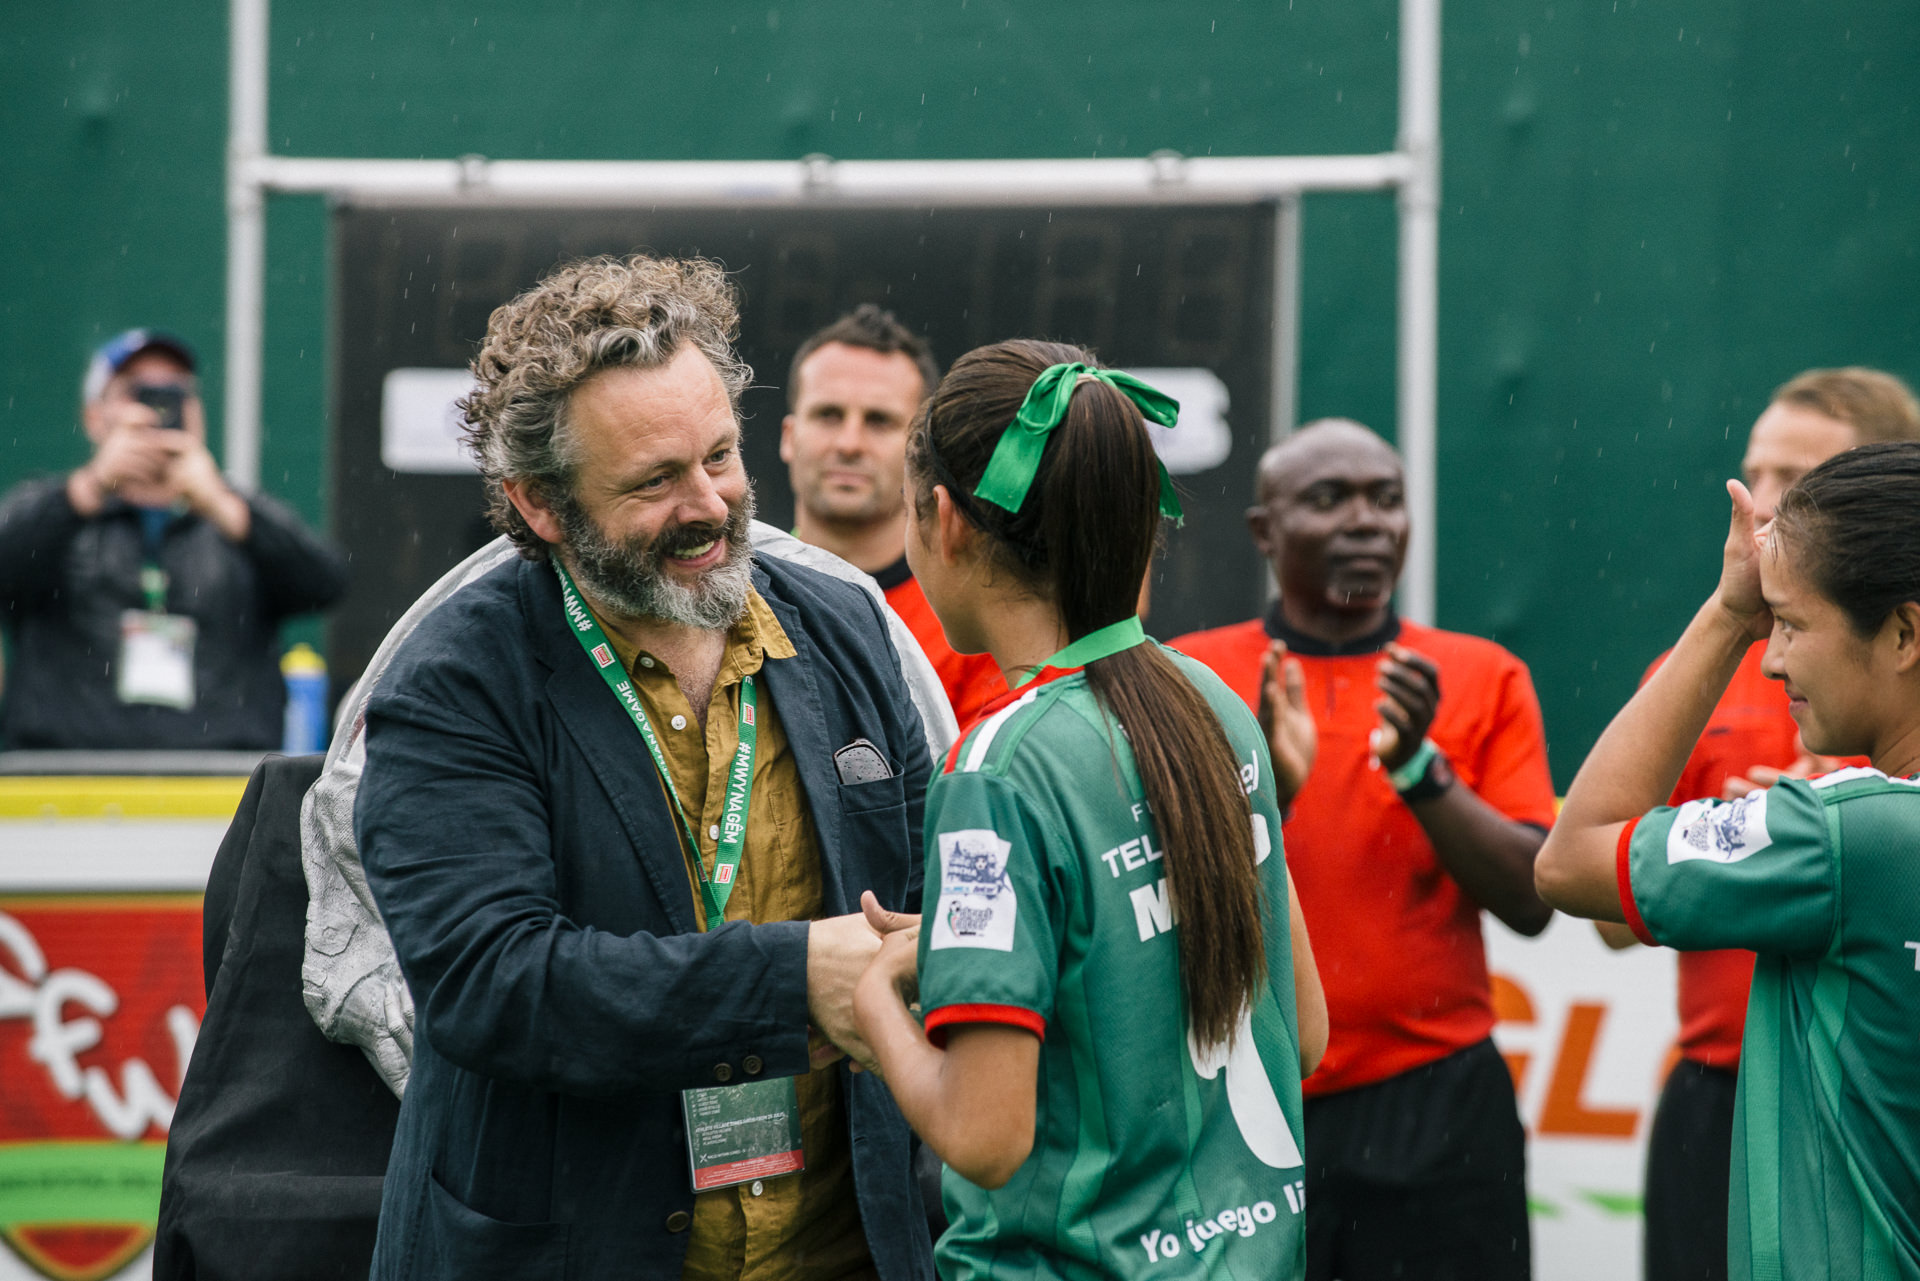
(1749, 742)
(1417, 768)
(851, 392)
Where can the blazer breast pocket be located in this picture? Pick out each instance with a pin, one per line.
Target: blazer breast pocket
(874, 833)
(875, 794)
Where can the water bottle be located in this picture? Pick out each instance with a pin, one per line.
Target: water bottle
(305, 728)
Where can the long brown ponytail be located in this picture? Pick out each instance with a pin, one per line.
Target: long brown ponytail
(1083, 539)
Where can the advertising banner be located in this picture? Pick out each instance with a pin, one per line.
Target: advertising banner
(1588, 1034)
(101, 997)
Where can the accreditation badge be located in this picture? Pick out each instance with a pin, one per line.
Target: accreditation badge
(156, 659)
(737, 1133)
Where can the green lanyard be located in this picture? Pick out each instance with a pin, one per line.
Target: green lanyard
(153, 585)
(715, 889)
(1101, 643)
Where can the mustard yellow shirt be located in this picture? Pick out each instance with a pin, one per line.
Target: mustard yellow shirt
(804, 1226)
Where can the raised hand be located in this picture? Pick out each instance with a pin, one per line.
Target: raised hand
(1411, 685)
(1739, 591)
(1292, 739)
(134, 455)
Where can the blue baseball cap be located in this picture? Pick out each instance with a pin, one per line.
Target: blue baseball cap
(114, 354)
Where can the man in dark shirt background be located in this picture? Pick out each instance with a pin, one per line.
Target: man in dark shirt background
(142, 594)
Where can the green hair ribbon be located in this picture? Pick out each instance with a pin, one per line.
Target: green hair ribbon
(1009, 474)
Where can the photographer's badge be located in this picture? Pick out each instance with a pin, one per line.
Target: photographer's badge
(155, 666)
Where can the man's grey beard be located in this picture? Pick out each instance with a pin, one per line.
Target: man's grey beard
(630, 576)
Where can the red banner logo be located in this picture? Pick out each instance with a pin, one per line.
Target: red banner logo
(100, 1000)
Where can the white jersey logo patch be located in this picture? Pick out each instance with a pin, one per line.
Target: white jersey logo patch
(1724, 833)
(977, 907)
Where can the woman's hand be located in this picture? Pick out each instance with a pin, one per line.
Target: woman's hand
(1739, 591)
(892, 978)
(897, 967)
(973, 1102)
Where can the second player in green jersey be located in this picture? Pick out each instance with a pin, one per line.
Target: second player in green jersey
(1820, 877)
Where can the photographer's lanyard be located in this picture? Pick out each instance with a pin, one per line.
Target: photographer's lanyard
(715, 889)
(153, 579)
(153, 586)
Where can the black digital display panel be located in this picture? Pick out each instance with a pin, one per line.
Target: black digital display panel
(1145, 286)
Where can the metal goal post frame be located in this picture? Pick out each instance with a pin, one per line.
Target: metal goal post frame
(1411, 171)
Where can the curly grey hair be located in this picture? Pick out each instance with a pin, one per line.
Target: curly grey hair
(585, 316)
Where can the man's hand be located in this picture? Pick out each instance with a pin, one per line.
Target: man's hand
(838, 951)
(1760, 777)
(193, 475)
(1292, 740)
(1411, 684)
(134, 453)
(885, 922)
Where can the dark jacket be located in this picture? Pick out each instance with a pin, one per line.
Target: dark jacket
(276, 1149)
(65, 580)
(518, 843)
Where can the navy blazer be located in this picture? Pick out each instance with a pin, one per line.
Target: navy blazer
(518, 843)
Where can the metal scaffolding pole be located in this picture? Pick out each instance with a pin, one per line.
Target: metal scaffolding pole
(1418, 313)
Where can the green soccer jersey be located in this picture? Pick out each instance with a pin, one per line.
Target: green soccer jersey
(1822, 879)
(1047, 907)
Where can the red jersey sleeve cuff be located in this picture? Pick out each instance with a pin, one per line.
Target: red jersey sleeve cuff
(938, 1021)
(1623, 869)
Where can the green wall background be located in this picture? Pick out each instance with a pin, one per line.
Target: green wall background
(1654, 212)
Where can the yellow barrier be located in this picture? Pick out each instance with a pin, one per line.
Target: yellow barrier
(109, 797)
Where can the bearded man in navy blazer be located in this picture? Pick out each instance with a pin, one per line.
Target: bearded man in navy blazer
(618, 820)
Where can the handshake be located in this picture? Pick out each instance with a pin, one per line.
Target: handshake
(874, 950)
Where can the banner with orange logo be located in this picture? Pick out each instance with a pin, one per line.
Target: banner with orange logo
(1588, 1034)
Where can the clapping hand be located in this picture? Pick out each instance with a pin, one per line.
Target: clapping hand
(1410, 684)
(1292, 739)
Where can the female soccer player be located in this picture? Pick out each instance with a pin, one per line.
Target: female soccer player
(1821, 877)
(1112, 960)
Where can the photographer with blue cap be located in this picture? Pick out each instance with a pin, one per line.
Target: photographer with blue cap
(143, 594)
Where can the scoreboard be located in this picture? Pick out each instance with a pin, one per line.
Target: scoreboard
(1187, 291)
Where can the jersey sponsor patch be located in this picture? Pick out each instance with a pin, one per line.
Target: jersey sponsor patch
(1725, 833)
(977, 907)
